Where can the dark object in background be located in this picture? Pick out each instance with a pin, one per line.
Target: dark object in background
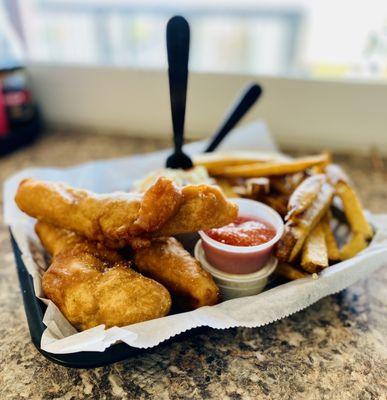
(20, 121)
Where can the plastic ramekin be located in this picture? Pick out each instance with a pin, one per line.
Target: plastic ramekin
(244, 259)
(236, 285)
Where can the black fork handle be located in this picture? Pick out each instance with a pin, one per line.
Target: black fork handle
(237, 112)
(178, 37)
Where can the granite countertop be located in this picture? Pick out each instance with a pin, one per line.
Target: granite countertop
(335, 349)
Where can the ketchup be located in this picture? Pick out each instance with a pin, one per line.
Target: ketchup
(244, 231)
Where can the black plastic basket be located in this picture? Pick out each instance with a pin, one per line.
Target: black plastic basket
(35, 309)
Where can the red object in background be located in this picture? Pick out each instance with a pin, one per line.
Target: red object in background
(4, 127)
(20, 121)
(15, 99)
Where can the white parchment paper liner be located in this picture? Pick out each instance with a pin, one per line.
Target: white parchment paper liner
(253, 311)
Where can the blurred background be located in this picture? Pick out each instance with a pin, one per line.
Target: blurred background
(307, 38)
(323, 64)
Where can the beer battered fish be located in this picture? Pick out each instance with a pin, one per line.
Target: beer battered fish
(118, 218)
(166, 261)
(93, 285)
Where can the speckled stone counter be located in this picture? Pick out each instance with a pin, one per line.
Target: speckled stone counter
(335, 349)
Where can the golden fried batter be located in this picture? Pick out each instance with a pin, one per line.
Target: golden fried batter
(203, 207)
(92, 285)
(166, 261)
(117, 218)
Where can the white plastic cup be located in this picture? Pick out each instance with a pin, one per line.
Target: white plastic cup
(236, 285)
(244, 259)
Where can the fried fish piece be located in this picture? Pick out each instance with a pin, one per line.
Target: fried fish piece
(315, 252)
(299, 225)
(166, 261)
(272, 168)
(353, 208)
(290, 272)
(117, 218)
(93, 285)
(203, 207)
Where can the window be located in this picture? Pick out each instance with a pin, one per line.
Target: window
(305, 38)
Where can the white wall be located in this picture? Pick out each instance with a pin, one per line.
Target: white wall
(349, 116)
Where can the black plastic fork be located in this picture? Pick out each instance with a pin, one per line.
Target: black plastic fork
(178, 36)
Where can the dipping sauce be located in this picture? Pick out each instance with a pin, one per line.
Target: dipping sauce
(244, 231)
(244, 246)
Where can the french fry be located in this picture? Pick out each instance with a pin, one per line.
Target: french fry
(298, 228)
(220, 160)
(353, 210)
(277, 201)
(351, 203)
(318, 169)
(333, 249)
(252, 188)
(286, 184)
(356, 244)
(272, 167)
(315, 252)
(304, 195)
(257, 186)
(287, 271)
(226, 187)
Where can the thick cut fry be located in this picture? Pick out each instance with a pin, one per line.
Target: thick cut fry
(304, 196)
(166, 261)
(286, 184)
(352, 206)
(355, 244)
(214, 161)
(272, 168)
(117, 218)
(252, 188)
(287, 271)
(227, 187)
(315, 251)
(333, 249)
(92, 285)
(353, 210)
(257, 187)
(277, 201)
(298, 228)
